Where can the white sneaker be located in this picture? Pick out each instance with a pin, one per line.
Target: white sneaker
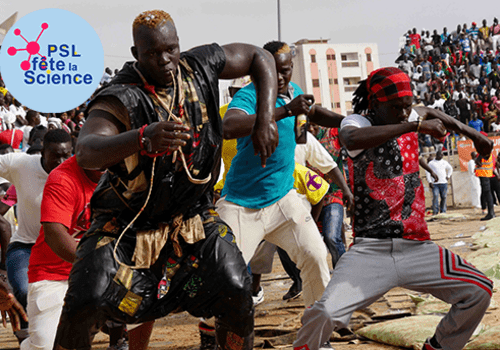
(121, 345)
(259, 298)
(326, 346)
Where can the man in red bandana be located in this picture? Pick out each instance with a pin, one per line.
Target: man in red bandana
(392, 246)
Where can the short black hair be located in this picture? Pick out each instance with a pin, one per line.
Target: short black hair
(4, 147)
(36, 148)
(56, 136)
(40, 130)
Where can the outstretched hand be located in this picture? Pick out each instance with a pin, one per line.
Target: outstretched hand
(265, 139)
(9, 305)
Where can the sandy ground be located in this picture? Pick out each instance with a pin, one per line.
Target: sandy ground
(277, 321)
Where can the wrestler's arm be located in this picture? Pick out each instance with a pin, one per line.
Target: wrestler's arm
(103, 140)
(5, 232)
(243, 59)
(482, 143)
(336, 176)
(325, 117)
(58, 239)
(422, 162)
(238, 124)
(354, 138)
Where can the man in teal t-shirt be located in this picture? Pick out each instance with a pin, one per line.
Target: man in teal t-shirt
(260, 202)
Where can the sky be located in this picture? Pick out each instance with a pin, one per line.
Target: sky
(255, 21)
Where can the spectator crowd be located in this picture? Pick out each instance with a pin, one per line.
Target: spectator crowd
(456, 72)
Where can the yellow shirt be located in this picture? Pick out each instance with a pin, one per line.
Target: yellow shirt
(310, 184)
(228, 153)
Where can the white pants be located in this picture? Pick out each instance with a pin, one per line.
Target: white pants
(289, 225)
(495, 39)
(45, 302)
(475, 191)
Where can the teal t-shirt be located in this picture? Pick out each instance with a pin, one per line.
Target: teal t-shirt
(247, 183)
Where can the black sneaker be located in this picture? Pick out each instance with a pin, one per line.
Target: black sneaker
(487, 217)
(428, 345)
(207, 341)
(294, 292)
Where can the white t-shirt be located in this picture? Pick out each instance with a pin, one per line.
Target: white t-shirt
(27, 174)
(360, 121)
(314, 153)
(26, 129)
(442, 169)
(495, 127)
(439, 104)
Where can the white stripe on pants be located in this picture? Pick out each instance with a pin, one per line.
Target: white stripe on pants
(289, 225)
(45, 302)
(374, 266)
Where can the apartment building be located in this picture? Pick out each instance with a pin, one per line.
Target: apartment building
(331, 72)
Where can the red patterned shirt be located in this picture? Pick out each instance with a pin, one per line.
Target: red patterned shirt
(388, 193)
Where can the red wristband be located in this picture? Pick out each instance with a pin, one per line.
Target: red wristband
(144, 151)
(141, 137)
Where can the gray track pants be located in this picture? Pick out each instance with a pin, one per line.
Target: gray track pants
(373, 266)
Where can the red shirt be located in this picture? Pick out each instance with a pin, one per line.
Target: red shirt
(485, 106)
(6, 137)
(66, 199)
(10, 197)
(415, 40)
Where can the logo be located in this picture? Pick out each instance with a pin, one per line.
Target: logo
(51, 60)
(313, 181)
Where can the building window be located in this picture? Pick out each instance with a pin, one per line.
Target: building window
(352, 80)
(350, 64)
(330, 57)
(315, 83)
(335, 81)
(350, 59)
(351, 83)
(330, 81)
(369, 57)
(351, 56)
(333, 105)
(337, 105)
(348, 105)
(313, 58)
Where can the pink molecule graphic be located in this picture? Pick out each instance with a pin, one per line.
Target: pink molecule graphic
(32, 47)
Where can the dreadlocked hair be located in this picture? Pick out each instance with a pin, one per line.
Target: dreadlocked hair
(277, 47)
(360, 98)
(151, 19)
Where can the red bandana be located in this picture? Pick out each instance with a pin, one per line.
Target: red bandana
(388, 84)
